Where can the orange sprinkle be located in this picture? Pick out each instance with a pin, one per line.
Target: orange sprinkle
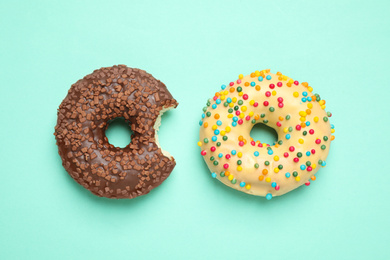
(258, 87)
(278, 73)
(308, 111)
(332, 137)
(303, 125)
(205, 124)
(240, 138)
(265, 171)
(217, 94)
(268, 70)
(246, 84)
(313, 178)
(280, 78)
(232, 89)
(261, 177)
(288, 84)
(257, 117)
(281, 118)
(305, 84)
(253, 75)
(227, 173)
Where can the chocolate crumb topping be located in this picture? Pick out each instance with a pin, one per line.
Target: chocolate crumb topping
(83, 117)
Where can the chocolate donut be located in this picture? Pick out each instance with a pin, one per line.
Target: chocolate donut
(85, 114)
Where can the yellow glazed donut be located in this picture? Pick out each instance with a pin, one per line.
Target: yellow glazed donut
(256, 168)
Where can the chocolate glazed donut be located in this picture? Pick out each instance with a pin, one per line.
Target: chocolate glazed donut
(83, 117)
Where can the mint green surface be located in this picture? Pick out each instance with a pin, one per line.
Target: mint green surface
(340, 47)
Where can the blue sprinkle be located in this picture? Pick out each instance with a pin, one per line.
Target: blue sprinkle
(214, 106)
(309, 99)
(218, 101)
(270, 152)
(332, 126)
(242, 184)
(303, 167)
(303, 99)
(268, 196)
(203, 115)
(253, 84)
(288, 136)
(219, 122)
(308, 153)
(307, 123)
(260, 78)
(200, 122)
(304, 93)
(268, 77)
(223, 86)
(256, 153)
(234, 152)
(273, 184)
(229, 100)
(287, 175)
(214, 175)
(216, 132)
(235, 119)
(323, 163)
(220, 155)
(234, 124)
(214, 138)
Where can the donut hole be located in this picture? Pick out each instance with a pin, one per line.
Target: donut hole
(119, 132)
(264, 134)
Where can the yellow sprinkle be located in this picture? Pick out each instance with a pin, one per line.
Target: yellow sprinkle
(226, 92)
(321, 102)
(296, 94)
(242, 115)
(230, 177)
(228, 128)
(251, 113)
(310, 89)
(257, 73)
(300, 141)
(323, 107)
(223, 133)
(332, 131)
(241, 93)
(302, 113)
(231, 104)
(234, 100)
(239, 168)
(315, 119)
(297, 178)
(303, 119)
(248, 186)
(243, 108)
(240, 76)
(222, 97)
(310, 105)
(284, 77)
(268, 179)
(276, 158)
(214, 127)
(285, 130)
(239, 154)
(276, 170)
(230, 116)
(251, 102)
(291, 81)
(199, 143)
(273, 93)
(314, 166)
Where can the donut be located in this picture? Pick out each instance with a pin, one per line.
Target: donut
(84, 115)
(251, 166)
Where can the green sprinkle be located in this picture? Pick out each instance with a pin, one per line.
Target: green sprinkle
(240, 102)
(239, 162)
(323, 147)
(222, 174)
(319, 162)
(230, 110)
(234, 181)
(266, 163)
(218, 143)
(239, 89)
(288, 117)
(308, 163)
(295, 174)
(257, 165)
(325, 119)
(215, 163)
(262, 115)
(271, 109)
(208, 114)
(212, 158)
(265, 121)
(304, 133)
(280, 166)
(299, 154)
(236, 108)
(325, 138)
(290, 129)
(253, 121)
(225, 104)
(206, 140)
(224, 138)
(204, 109)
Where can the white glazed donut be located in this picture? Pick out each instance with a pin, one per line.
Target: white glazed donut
(256, 168)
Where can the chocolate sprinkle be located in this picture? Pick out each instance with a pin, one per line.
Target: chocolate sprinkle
(83, 117)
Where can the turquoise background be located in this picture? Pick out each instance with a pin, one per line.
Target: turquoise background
(340, 47)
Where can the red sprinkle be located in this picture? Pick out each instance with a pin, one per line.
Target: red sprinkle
(253, 143)
(247, 118)
(238, 113)
(241, 143)
(271, 86)
(311, 131)
(203, 152)
(213, 148)
(231, 83)
(280, 105)
(280, 99)
(245, 96)
(227, 156)
(279, 84)
(296, 159)
(309, 169)
(240, 122)
(307, 183)
(292, 148)
(279, 124)
(255, 104)
(285, 155)
(296, 82)
(267, 94)
(226, 166)
(298, 127)
(318, 141)
(313, 151)
(265, 103)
